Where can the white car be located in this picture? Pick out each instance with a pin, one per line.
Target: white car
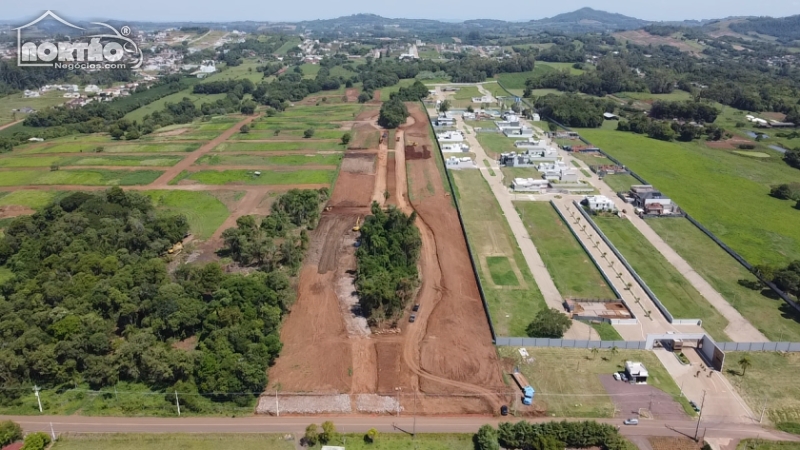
(631, 421)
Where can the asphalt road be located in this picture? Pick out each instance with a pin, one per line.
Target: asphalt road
(358, 424)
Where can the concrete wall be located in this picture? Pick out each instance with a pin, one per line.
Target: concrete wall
(568, 343)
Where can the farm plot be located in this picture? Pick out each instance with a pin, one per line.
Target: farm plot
(771, 316)
(730, 185)
(47, 161)
(512, 294)
(204, 212)
(258, 160)
(79, 177)
(305, 144)
(29, 199)
(573, 272)
(288, 177)
(283, 134)
(93, 147)
(672, 289)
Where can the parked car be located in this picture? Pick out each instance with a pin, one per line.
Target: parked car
(412, 318)
(504, 410)
(631, 421)
(694, 406)
(616, 376)
(415, 308)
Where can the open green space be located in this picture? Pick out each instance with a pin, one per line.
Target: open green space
(204, 212)
(266, 178)
(592, 159)
(570, 267)
(566, 379)
(304, 144)
(173, 441)
(287, 134)
(769, 378)
(620, 182)
(674, 96)
(502, 273)
(517, 80)
(561, 66)
(489, 236)
(291, 43)
(92, 147)
(466, 93)
(719, 189)
(31, 199)
(11, 102)
(388, 91)
(672, 289)
(606, 331)
(47, 161)
(752, 154)
(158, 105)
(93, 177)
(258, 160)
(495, 143)
(769, 314)
(509, 173)
(326, 113)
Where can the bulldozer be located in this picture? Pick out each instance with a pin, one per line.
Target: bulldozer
(175, 249)
(358, 226)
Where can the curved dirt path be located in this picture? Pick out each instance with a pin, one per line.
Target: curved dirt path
(8, 125)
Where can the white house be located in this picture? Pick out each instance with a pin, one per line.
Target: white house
(535, 117)
(450, 137)
(518, 132)
(35, 139)
(208, 67)
(528, 185)
(456, 163)
(636, 372)
(483, 99)
(91, 89)
(599, 203)
(454, 148)
(31, 94)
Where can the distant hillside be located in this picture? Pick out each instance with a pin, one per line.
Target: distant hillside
(588, 17)
(784, 28)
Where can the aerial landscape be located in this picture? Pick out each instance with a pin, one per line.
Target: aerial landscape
(351, 231)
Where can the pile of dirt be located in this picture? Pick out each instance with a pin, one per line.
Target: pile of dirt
(377, 404)
(15, 211)
(304, 404)
(391, 180)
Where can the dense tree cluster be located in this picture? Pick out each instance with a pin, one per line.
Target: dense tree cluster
(787, 279)
(91, 303)
(393, 113)
(412, 93)
(574, 110)
(667, 130)
(551, 436)
(688, 110)
(549, 323)
(792, 158)
(611, 76)
(9, 432)
(787, 29)
(387, 262)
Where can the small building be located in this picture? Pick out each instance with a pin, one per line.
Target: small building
(483, 99)
(450, 137)
(536, 117)
(609, 116)
(529, 185)
(636, 372)
(35, 139)
(91, 89)
(651, 200)
(468, 116)
(454, 148)
(445, 121)
(599, 203)
(455, 163)
(31, 94)
(518, 132)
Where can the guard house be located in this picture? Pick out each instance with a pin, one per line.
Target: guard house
(636, 372)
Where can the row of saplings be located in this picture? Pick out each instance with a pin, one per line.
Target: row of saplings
(520, 435)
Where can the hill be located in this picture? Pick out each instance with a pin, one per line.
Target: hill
(786, 29)
(588, 17)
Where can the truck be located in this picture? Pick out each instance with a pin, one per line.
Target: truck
(527, 389)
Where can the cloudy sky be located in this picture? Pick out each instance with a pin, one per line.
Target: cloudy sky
(271, 10)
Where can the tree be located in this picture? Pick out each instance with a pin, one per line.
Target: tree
(470, 109)
(444, 106)
(132, 135)
(393, 114)
(312, 435)
(116, 132)
(549, 323)
(36, 441)
(346, 138)
(329, 433)
(552, 126)
(308, 133)
(9, 432)
(744, 362)
(371, 436)
(545, 442)
(783, 192)
(248, 107)
(244, 129)
(486, 438)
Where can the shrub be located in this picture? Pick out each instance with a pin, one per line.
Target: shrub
(329, 433)
(371, 436)
(308, 133)
(36, 441)
(9, 432)
(312, 435)
(486, 439)
(346, 138)
(244, 129)
(549, 323)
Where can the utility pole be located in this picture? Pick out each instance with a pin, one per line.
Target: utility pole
(681, 389)
(52, 432)
(700, 417)
(763, 408)
(36, 390)
(277, 408)
(414, 430)
(177, 403)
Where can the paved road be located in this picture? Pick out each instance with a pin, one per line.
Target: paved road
(358, 424)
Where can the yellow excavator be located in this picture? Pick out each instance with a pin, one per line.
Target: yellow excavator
(358, 226)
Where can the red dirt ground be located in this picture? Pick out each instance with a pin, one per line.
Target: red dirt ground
(729, 144)
(391, 182)
(351, 94)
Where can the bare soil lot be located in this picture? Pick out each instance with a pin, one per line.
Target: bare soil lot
(629, 399)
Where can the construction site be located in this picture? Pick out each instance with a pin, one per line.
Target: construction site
(332, 361)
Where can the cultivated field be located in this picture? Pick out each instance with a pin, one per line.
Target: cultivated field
(78, 177)
(512, 294)
(258, 160)
(203, 210)
(571, 269)
(672, 289)
(249, 177)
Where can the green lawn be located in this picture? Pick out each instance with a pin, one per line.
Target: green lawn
(517, 80)
(204, 212)
(31, 199)
(501, 271)
(495, 143)
(620, 182)
(561, 66)
(91, 147)
(79, 177)
(173, 441)
(674, 96)
(680, 298)
(509, 173)
(780, 392)
(719, 189)
(571, 269)
(566, 379)
(768, 314)
(606, 331)
(47, 161)
(592, 159)
(266, 178)
(466, 93)
(17, 101)
(305, 144)
(257, 160)
(288, 45)
(511, 308)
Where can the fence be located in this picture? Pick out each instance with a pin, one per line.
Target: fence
(568, 343)
(464, 233)
(759, 346)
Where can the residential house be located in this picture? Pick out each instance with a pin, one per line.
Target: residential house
(456, 163)
(599, 203)
(92, 89)
(609, 116)
(454, 147)
(31, 94)
(518, 132)
(649, 200)
(450, 137)
(529, 185)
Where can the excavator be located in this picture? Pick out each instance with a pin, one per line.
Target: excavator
(358, 226)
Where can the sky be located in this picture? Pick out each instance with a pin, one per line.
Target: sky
(271, 10)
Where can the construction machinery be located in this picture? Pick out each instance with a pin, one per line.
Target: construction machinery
(358, 226)
(175, 249)
(527, 389)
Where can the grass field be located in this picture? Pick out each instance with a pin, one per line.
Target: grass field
(90, 147)
(517, 80)
(174, 441)
(571, 269)
(606, 331)
(620, 182)
(509, 173)
(495, 143)
(387, 91)
(257, 160)
(93, 177)
(47, 161)
(288, 45)
(17, 101)
(512, 309)
(158, 105)
(672, 289)
(204, 212)
(561, 66)
(566, 379)
(768, 314)
(674, 96)
(31, 199)
(781, 393)
(466, 93)
(501, 271)
(287, 134)
(305, 144)
(266, 178)
(760, 444)
(591, 160)
(719, 189)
